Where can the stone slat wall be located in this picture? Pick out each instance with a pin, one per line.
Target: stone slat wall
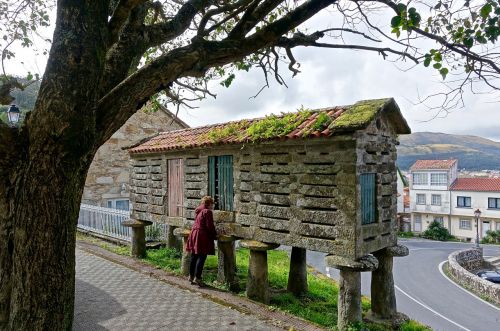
(148, 186)
(376, 149)
(298, 195)
(195, 185)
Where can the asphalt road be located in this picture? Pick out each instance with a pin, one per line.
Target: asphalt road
(424, 294)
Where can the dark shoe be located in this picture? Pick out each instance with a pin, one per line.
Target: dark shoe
(198, 282)
(191, 280)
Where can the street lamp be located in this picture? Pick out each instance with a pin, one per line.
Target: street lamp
(477, 214)
(13, 114)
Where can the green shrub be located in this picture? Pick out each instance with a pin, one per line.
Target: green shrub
(436, 231)
(492, 237)
(407, 234)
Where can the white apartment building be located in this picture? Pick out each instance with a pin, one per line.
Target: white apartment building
(436, 194)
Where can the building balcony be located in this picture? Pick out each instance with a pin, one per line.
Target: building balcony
(431, 209)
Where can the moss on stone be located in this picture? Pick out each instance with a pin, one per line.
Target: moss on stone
(358, 115)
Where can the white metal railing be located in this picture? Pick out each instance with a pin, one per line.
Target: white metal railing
(108, 222)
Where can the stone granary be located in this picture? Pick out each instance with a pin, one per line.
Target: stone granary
(322, 180)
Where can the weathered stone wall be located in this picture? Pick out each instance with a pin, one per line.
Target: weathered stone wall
(461, 264)
(376, 149)
(110, 168)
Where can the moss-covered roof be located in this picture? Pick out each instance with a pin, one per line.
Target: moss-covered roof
(301, 124)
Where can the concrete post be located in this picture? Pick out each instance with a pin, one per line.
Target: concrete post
(382, 287)
(186, 256)
(226, 272)
(138, 236)
(297, 276)
(349, 303)
(257, 282)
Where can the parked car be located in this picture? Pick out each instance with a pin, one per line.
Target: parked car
(491, 275)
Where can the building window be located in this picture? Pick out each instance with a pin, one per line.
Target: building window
(220, 181)
(463, 202)
(121, 204)
(420, 178)
(368, 198)
(436, 200)
(494, 203)
(439, 219)
(420, 199)
(439, 179)
(465, 224)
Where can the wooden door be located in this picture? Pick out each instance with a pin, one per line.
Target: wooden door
(175, 187)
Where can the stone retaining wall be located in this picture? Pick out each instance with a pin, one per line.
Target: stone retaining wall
(461, 262)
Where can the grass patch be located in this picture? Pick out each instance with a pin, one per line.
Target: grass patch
(414, 326)
(115, 248)
(318, 306)
(407, 234)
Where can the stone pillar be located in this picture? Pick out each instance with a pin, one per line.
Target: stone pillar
(297, 276)
(226, 272)
(382, 287)
(138, 236)
(257, 284)
(349, 303)
(186, 256)
(172, 240)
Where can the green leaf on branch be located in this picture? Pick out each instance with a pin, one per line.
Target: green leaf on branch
(486, 10)
(443, 72)
(437, 65)
(427, 61)
(396, 21)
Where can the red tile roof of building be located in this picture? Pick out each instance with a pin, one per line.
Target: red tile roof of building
(433, 164)
(341, 119)
(476, 184)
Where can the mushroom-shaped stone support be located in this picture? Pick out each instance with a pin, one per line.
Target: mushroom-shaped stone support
(226, 272)
(349, 303)
(138, 236)
(382, 287)
(257, 282)
(186, 256)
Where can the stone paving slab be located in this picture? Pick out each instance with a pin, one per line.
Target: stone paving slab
(112, 297)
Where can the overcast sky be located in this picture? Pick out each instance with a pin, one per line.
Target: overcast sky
(328, 78)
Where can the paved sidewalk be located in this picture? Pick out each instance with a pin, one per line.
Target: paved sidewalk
(112, 297)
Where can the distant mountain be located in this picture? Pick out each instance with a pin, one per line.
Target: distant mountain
(472, 152)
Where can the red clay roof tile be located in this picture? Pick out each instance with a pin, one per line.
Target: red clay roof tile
(433, 164)
(199, 137)
(476, 184)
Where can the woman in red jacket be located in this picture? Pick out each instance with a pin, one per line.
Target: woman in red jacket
(201, 239)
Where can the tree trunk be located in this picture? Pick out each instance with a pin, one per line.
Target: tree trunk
(6, 248)
(43, 190)
(39, 207)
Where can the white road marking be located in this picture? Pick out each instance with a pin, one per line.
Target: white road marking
(430, 309)
(463, 289)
